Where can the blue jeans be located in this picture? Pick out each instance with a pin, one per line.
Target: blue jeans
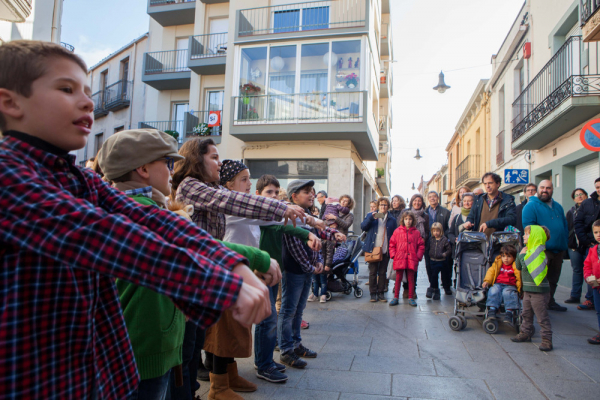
(501, 291)
(152, 389)
(294, 295)
(319, 281)
(577, 264)
(190, 368)
(596, 294)
(265, 336)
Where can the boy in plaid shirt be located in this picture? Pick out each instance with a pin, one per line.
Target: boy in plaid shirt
(65, 235)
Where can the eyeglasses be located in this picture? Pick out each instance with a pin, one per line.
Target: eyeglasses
(170, 163)
(579, 194)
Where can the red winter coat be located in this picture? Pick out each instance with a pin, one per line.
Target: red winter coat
(406, 248)
(591, 265)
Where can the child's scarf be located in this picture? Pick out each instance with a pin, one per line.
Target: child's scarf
(535, 258)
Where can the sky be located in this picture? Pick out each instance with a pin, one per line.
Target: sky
(456, 36)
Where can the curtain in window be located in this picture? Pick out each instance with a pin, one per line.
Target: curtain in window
(315, 18)
(286, 21)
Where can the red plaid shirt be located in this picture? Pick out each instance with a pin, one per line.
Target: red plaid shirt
(64, 236)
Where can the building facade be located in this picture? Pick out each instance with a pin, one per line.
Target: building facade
(299, 90)
(119, 95)
(31, 20)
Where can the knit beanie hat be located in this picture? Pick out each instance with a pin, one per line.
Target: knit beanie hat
(230, 169)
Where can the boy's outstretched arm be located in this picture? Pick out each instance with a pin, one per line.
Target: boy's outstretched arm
(41, 218)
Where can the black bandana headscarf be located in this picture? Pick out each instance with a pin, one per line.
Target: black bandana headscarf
(230, 169)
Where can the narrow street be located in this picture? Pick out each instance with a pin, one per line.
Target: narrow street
(371, 351)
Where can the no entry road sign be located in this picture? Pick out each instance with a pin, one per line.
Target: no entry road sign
(590, 135)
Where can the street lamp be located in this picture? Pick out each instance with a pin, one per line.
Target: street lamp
(413, 187)
(441, 86)
(418, 156)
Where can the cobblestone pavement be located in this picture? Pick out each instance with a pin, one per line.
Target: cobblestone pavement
(371, 351)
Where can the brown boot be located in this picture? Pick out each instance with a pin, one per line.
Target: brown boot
(521, 337)
(546, 345)
(236, 382)
(219, 388)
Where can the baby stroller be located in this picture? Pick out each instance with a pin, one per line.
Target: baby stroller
(470, 265)
(497, 240)
(347, 253)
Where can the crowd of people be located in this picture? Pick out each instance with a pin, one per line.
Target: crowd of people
(116, 278)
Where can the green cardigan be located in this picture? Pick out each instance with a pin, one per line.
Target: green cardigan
(271, 239)
(528, 283)
(155, 326)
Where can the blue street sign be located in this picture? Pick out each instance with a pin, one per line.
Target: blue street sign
(516, 176)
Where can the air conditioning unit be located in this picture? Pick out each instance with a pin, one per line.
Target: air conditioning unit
(384, 147)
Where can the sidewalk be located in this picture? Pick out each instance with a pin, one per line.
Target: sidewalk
(371, 351)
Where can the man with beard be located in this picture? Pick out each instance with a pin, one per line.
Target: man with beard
(542, 210)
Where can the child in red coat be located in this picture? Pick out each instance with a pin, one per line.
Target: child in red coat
(406, 249)
(591, 274)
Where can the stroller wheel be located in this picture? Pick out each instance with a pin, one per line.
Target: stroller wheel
(358, 292)
(490, 326)
(348, 291)
(328, 296)
(464, 321)
(455, 323)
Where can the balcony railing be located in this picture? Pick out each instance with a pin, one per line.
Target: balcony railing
(159, 62)
(299, 107)
(212, 45)
(587, 8)
(172, 126)
(558, 80)
(301, 17)
(194, 121)
(98, 99)
(468, 170)
(500, 148)
(165, 2)
(68, 46)
(117, 95)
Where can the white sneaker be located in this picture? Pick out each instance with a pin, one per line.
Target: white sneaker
(312, 297)
(323, 299)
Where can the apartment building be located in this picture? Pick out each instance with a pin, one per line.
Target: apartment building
(118, 93)
(543, 89)
(298, 90)
(31, 20)
(468, 149)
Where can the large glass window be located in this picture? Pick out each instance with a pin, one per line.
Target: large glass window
(288, 170)
(313, 81)
(252, 84)
(282, 82)
(345, 82)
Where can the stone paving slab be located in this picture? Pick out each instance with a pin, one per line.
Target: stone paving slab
(354, 396)
(443, 350)
(348, 345)
(298, 394)
(560, 390)
(353, 382)
(544, 366)
(490, 370)
(394, 365)
(514, 390)
(434, 387)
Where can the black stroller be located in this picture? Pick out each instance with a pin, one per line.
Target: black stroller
(336, 281)
(470, 265)
(497, 240)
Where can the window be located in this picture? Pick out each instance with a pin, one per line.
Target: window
(119, 129)
(282, 82)
(304, 19)
(214, 102)
(103, 84)
(125, 69)
(178, 118)
(181, 56)
(98, 140)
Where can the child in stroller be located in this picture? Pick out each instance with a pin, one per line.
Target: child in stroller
(345, 256)
(504, 283)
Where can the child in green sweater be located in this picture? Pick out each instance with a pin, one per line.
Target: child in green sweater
(532, 262)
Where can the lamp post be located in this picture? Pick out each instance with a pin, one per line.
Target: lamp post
(441, 86)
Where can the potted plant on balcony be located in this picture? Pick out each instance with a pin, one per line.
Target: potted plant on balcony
(380, 172)
(175, 134)
(351, 81)
(247, 90)
(202, 129)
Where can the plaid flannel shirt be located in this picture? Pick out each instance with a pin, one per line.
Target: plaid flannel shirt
(211, 202)
(64, 236)
(492, 202)
(307, 260)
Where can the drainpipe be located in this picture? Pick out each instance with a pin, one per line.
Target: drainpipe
(132, 82)
(56, 21)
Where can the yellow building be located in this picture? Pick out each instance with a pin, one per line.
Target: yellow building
(469, 147)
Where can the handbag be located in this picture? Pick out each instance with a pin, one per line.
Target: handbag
(391, 272)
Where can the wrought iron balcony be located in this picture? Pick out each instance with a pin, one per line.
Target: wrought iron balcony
(587, 8)
(560, 79)
(67, 46)
(208, 53)
(197, 121)
(297, 17)
(167, 70)
(118, 95)
(172, 12)
(98, 99)
(468, 171)
(166, 126)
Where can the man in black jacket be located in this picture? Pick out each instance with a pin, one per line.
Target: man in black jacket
(321, 196)
(494, 210)
(442, 215)
(529, 190)
(589, 211)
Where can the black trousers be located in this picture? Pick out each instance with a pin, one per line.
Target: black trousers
(555, 261)
(377, 275)
(446, 273)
